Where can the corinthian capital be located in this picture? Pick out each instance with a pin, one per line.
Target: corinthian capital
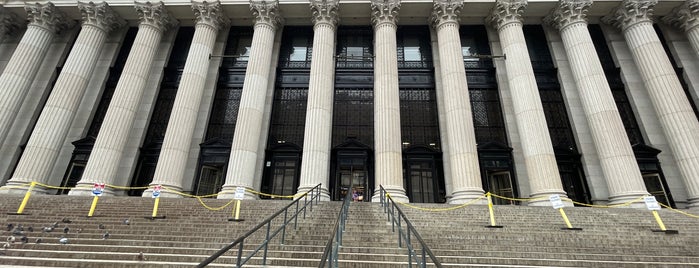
(100, 15)
(154, 14)
(685, 16)
(266, 12)
(47, 16)
(8, 22)
(568, 12)
(630, 12)
(446, 11)
(384, 11)
(209, 13)
(506, 12)
(325, 11)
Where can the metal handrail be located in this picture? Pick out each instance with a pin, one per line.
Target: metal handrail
(390, 210)
(315, 196)
(332, 247)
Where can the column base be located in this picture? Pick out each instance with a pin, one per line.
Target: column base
(692, 204)
(396, 192)
(228, 192)
(324, 193)
(544, 201)
(629, 197)
(167, 193)
(464, 196)
(18, 188)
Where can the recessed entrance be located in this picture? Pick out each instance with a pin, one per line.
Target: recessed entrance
(352, 172)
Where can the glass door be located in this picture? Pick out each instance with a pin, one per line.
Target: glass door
(654, 185)
(210, 180)
(351, 175)
(500, 183)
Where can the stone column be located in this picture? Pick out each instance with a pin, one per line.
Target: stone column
(462, 151)
(111, 141)
(55, 120)
(8, 23)
(686, 17)
(315, 164)
(180, 128)
(387, 140)
(678, 121)
(44, 22)
(246, 139)
(616, 156)
(537, 148)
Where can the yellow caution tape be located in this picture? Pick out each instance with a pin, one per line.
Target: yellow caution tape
(607, 206)
(519, 199)
(214, 208)
(679, 211)
(438, 209)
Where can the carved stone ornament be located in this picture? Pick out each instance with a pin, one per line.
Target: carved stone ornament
(444, 11)
(325, 11)
(631, 12)
(384, 11)
(266, 12)
(47, 16)
(155, 14)
(685, 16)
(209, 13)
(8, 22)
(506, 12)
(568, 12)
(100, 15)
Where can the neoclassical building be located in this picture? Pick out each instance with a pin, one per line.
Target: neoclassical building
(437, 101)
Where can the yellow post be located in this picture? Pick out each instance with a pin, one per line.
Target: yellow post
(565, 218)
(237, 210)
(155, 207)
(490, 208)
(26, 198)
(93, 206)
(660, 221)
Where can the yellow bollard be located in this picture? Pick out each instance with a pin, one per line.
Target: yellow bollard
(93, 206)
(236, 212)
(26, 198)
(565, 218)
(155, 208)
(660, 221)
(492, 214)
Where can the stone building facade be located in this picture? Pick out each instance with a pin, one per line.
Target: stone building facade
(436, 101)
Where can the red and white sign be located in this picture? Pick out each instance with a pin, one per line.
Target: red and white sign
(98, 189)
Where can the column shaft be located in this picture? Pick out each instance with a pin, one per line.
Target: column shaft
(463, 154)
(315, 164)
(615, 153)
(671, 105)
(54, 122)
(111, 141)
(180, 128)
(241, 167)
(537, 148)
(693, 37)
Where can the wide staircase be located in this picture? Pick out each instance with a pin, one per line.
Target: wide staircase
(189, 233)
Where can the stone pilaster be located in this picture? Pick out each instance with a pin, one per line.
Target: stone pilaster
(678, 121)
(616, 156)
(315, 164)
(686, 17)
(8, 23)
(387, 138)
(54, 122)
(246, 139)
(44, 22)
(180, 128)
(461, 149)
(111, 141)
(537, 148)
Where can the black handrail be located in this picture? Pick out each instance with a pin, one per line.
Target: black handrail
(421, 261)
(332, 247)
(315, 195)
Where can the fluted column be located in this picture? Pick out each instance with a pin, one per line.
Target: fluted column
(44, 22)
(180, 128)
(387, 138)
(686, 17)
(8, 23)
(678, 121)
(537, 148)
(315, 164)
(616, 156)
(463, 154)
(54, 122)
(246, 139)
(111, 140)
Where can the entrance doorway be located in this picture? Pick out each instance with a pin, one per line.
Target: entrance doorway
(423, 183)
(210, 180)
(352, 172)
(500, 183)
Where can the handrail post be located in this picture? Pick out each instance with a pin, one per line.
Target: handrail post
(284, 226)
(305, 202)
(296, 218)
(400, 244)
(424, 259)
(264, 255)
(240, 253)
